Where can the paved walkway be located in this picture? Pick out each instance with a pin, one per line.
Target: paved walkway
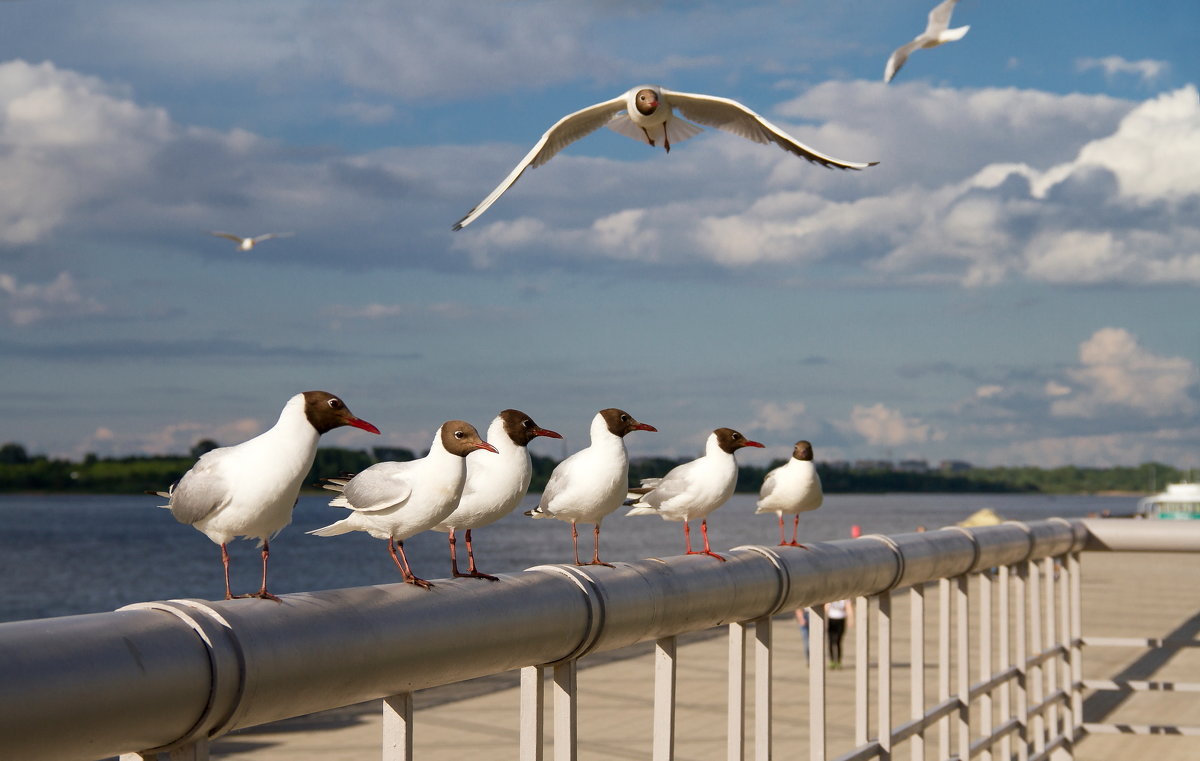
(1128, 594)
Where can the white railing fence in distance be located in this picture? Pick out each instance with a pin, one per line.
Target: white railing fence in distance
(1002, 604)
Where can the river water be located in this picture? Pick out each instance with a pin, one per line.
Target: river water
(68, 554)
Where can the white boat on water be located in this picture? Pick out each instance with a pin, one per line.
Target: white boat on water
(1179, 501)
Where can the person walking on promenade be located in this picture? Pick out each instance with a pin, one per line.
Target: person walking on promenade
(839, 614)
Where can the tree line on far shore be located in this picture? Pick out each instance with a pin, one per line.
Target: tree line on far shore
(22, 472)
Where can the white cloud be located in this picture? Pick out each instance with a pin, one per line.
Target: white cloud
(881, 426)
(175, 438)
(778, 417)
(26, 304)
(988, 391)
(1117, 373)
(1148, 70)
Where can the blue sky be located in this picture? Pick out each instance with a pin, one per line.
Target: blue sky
(1015, 283)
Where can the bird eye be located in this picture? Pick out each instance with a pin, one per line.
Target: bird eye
(624, 418)
(335, 403)
(458, 434)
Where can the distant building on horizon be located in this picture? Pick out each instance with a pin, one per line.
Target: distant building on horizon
(954, 466)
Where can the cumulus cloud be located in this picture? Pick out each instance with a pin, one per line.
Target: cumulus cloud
(881, 426)
(1148, 70)
(1116, 372)
(778, 417)
(30, 303)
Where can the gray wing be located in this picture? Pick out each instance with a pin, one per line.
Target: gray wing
(566, 131)
(268, 236)
(768, 485)
(200, 492)
(731, 116)
(380, 486)
(230, 236)
(939, 17)
(898, 59)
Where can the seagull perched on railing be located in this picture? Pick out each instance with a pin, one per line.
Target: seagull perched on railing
(937, 32)
(250, 489)
(696, 488)
(395, 500)
(792, 488)
(495, 485)
(245, 244)
(647, 114)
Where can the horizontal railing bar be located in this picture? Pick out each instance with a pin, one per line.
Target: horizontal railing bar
(871, 750)
(1140, 686)
(1045, 655)
(1141, 536)
(1055, 743)
(984, 743)
(981, 688)
(910, 728)
(1150, 642)
(1055, 698)
(1141, 729)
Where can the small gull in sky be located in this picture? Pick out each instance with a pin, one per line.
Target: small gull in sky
(792, 488)
(647, 114)
(245, 244)
(250, 489)
(937, 32)
(395, 500)
(694, 489)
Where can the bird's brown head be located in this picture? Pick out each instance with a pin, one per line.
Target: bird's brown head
(646, 101)
(731, 441)
(620, 422)
(521, 429)
(460, 438)
(803, 451)
(326, 412)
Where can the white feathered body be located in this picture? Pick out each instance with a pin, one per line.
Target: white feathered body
(495, 483)
(792, 488)
(395, 500)
(589, 484)
(693, 490)
(249, 489)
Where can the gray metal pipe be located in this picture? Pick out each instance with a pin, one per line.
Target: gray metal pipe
(162, 674)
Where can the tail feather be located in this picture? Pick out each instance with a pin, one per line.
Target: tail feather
(332, 529)
(538, 512)
(642, 511)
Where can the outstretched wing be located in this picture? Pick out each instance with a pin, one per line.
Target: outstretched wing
(268, 236)
(235, 238)
(566, 131)
(731, 116)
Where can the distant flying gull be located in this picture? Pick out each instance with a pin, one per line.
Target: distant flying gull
(937, 32)
(250, 489)
(791, 489)
(694, 489)
(494, 485)
(395, 500)
(245, 244)
(591, 483)
(646, 114)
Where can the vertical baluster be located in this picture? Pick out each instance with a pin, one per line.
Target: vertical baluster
(862, 666)
(883, 681)
(1050, 666)
(664, 699)
(962, 615)
(1004, 651)
(1064, 629)
(398, 727)
(566, 725)
(943, 664)
(1076, 637)
(1020, 608)
(817, 638)
(917, 667)
(737, 692)
(1036, 690)
(986, 671)
(762, 689)
(533, 703)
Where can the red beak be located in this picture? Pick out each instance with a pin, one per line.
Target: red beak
(485, 445)
(358, 423)
(549, 434)
(645, 427)
(753, 444)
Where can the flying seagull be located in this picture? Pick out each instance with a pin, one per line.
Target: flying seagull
(245, 244)
(937, 32)
(647, 114)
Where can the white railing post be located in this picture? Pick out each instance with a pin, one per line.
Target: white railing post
(962, 615)
(1020, 607)
(883, 680)
(1004, 651)
(985, 657)
(1064, 629)
(533, 705)
(1037, 691)
(566, 724)
(817, 638)
(862, 670)
(1076, 642)
(917, 667)
(1051, 665)
(762, 689)
(664, 699)
(398, 727)
(736, 744)
(944, 664)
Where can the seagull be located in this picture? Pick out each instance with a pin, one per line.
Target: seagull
(245, 244)
(937, 32)
(592, 483)
(395, 500)
(694, 489)
(647, 114)
(250, 489)
(495, 485)
(792, 488)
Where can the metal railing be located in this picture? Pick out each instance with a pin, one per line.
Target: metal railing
(168, 677)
